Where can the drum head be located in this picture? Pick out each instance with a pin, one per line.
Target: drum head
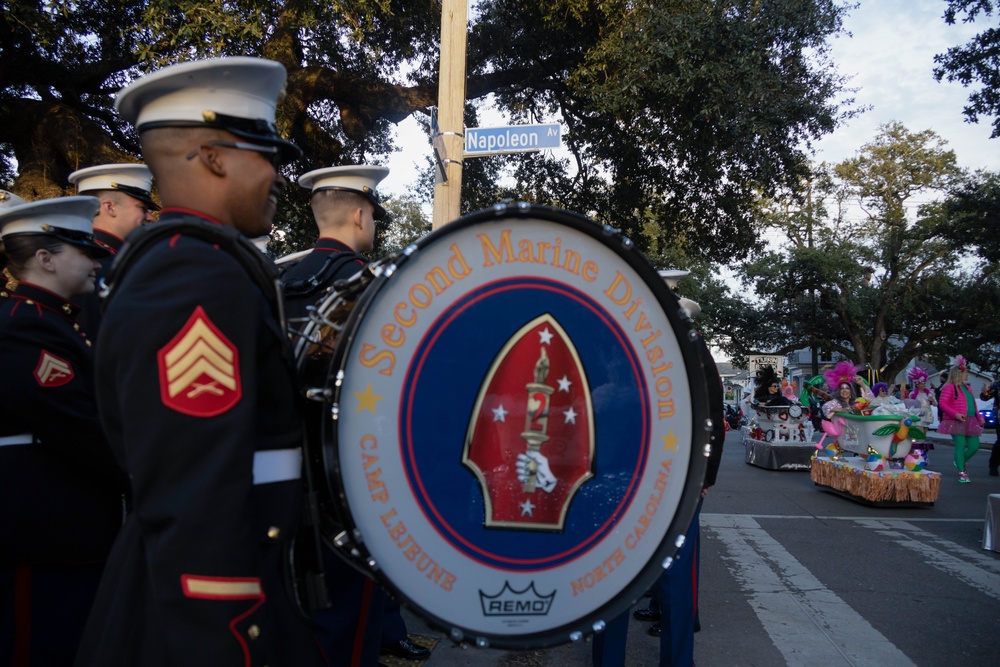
(520, 426)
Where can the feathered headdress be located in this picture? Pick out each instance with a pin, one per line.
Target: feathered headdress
(960, 363)
(765, 377)
(842, 373)
(917, 375)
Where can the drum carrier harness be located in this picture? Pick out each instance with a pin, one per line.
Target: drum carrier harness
(305, 558)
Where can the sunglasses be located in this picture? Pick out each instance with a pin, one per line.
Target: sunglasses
(270, 153)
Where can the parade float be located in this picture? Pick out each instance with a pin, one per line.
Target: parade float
(777, 437)
(873, 454)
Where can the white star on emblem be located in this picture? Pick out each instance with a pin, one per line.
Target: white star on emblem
(545, 336)
(527, 508)
(570, 416)
(564, 384)
(499, 414)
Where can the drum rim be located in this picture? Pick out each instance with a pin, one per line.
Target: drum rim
(683, 514)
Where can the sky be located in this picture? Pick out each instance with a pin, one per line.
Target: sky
(890, 59)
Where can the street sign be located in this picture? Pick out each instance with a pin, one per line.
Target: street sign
(482, 141)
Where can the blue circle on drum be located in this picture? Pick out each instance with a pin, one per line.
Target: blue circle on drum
(439, 397)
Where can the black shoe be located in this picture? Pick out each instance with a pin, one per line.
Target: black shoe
(654, 630)
(646, 614)
(404, 648)
(994, 472)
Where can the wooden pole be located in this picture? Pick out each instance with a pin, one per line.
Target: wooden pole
(451, 105)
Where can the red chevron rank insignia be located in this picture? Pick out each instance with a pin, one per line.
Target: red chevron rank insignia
(199, 369)
(52, 371)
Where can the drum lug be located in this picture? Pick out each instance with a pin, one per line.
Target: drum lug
(319, 394)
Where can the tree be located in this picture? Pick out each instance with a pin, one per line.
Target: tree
(884, 289)
(686, 110)
(978, 61)
(972, 214)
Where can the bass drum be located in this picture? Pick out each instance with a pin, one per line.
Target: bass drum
(518, 427)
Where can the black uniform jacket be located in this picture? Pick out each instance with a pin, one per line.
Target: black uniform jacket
(313, 269)
(60, 488)
(197, 398)
(90, 304)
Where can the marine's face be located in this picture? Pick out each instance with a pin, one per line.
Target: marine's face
(76, 270)
(134, 214)
(367, 240)
(257, 185)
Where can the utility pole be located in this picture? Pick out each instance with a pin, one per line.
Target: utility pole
(449, 139)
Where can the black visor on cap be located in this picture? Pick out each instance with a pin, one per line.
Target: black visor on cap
(256, 130)
(138, 193)
(379, 212)
(73, 237)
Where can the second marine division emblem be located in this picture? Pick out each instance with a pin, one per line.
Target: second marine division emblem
(531, 438)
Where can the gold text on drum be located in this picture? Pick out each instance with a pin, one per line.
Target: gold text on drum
(376, 486)
(652, 505)
(590, 579)
(538, 252)
(620, 293)
(420, 296)
(415, 554)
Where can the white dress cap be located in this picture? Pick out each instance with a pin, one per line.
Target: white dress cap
(238, 95)
(672, 276)
(71, 219)
(134, 180)
(362, 179)
(8, 199)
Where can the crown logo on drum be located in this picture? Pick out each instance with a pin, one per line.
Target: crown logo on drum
(509, 602)
(530, 441)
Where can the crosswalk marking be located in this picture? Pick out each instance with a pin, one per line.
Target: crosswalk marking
(975, 569)
(794, 607)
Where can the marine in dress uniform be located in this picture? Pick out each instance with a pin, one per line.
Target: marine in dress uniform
(345, 206)
(674, 600)
(60, 487)
(196, 389)
(124, 191)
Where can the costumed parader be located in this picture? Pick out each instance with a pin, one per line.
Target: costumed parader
(849, 387)
(921, 393)
(882, 397)
(767, 390)
(959, 416)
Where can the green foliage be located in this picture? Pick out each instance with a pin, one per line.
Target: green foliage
(679, 114)
(972, 212)
(976, 62)
(404, 224)
(884, 289)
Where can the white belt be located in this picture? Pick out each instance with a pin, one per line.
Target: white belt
(277, 465)
(22, 439)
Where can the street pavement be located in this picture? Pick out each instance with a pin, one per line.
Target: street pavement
(793, 575)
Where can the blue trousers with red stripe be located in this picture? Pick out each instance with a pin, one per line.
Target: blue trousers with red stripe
(676, 595)
(42, 612)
